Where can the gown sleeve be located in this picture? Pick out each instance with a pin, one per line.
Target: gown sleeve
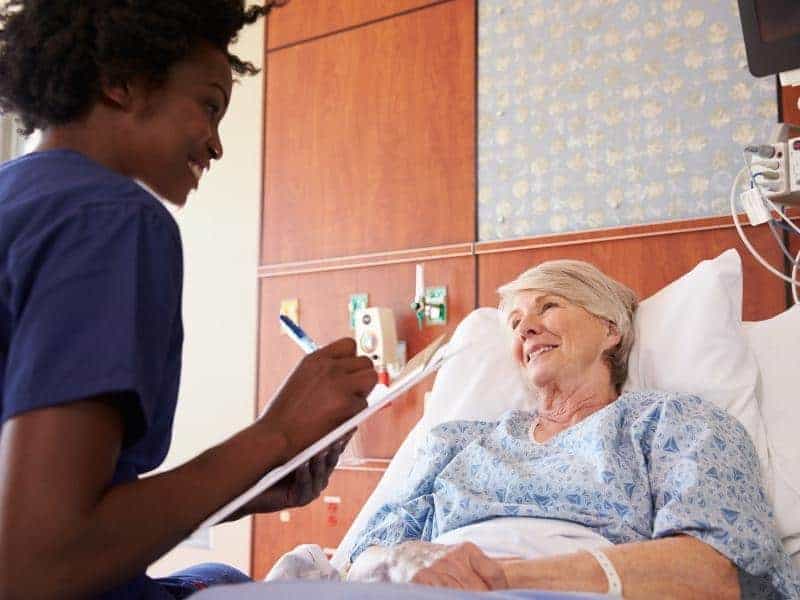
(410, 515)
(705, 482)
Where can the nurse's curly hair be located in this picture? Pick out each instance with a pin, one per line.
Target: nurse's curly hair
(54, 54)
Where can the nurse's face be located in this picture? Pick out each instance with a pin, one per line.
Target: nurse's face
(174, 132)
(557, 343)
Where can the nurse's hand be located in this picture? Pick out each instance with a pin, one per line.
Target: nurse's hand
(462, 566)
(299, 487)
(325, 389)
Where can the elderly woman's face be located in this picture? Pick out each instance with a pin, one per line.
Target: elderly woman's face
(555, 341)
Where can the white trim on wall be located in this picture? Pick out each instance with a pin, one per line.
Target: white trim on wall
(11, 143)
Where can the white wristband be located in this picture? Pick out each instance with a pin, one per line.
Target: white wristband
(614, 582)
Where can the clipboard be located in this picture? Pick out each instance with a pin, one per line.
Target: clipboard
(418, 368)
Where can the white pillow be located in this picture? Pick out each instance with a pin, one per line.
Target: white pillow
(775, 345)
(689, 339)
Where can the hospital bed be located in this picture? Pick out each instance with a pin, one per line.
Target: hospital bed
(689, 338)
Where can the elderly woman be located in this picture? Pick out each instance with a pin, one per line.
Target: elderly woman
(662, 489)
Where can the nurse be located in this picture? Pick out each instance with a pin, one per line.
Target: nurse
(128, 95)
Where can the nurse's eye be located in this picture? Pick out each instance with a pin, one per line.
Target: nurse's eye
(213, 109)
(514, 323)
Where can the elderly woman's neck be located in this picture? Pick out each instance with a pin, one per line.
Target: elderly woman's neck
(565, 405)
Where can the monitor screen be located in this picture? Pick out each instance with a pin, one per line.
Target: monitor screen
(777, 20)
(771, 31)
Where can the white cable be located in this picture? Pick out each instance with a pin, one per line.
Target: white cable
(795, 282)
(794, 277)
(774, 207)
(766, 198)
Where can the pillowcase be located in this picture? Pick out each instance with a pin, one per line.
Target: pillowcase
(688, 339)
(775, 345)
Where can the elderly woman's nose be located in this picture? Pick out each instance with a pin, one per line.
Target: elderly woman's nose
(529, 326)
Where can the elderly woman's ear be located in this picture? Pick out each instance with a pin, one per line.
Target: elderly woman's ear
(613, 336)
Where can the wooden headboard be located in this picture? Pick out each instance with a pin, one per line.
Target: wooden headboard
(646, 258)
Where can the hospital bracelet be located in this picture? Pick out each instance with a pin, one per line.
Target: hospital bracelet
(614, 582)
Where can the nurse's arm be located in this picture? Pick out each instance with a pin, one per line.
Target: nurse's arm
(676, 567)
(65, 533)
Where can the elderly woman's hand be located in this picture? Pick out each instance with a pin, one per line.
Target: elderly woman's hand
(462, 566)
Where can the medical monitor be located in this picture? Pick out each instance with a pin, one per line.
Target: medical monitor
(771, 31)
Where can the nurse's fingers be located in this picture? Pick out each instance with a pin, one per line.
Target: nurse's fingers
(341, 348)
(354, 364)
(302, 487)
(319, 474)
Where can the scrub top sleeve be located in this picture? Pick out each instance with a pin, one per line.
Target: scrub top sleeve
(95, 298)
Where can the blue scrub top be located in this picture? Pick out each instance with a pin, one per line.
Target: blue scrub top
(91, 273)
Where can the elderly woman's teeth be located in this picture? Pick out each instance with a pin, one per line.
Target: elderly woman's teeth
(539, 351)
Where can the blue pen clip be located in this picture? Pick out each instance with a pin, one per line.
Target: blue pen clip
(299, 336)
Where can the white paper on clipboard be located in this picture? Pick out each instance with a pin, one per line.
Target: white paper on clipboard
(423, 364)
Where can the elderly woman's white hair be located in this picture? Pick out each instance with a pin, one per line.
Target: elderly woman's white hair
(587, 286)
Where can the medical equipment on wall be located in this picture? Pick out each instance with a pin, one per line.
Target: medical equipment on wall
(429, 303)
(771, 31)
(376, 338)
(772, 176)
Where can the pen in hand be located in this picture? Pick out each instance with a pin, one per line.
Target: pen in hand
(299, 336)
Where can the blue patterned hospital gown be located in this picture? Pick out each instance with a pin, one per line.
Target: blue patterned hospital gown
(649, 465)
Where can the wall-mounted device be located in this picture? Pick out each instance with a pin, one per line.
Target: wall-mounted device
(354, 304)
(376, 336)
(429, 303)
(774, 169)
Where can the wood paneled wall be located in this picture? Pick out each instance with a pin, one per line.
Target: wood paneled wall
(369, 162)
(379, 153)
(644, 257)
(324, 522)
(323, 300)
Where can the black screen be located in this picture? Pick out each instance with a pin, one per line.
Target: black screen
(777, 19)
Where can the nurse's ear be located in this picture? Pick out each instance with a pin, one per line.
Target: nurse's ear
(128, 96)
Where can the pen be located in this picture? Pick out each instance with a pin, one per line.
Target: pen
(299, 336)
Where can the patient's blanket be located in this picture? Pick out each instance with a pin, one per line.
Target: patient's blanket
(649, 465)
(525, 537)
(504, 537)
(305, 590)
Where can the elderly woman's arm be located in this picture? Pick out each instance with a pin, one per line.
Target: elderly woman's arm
(409, 516)
(678, 567)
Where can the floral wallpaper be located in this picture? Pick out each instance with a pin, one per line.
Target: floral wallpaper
(600, 113)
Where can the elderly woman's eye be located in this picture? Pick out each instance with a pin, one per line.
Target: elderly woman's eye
(548, 305)
(514, 323)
